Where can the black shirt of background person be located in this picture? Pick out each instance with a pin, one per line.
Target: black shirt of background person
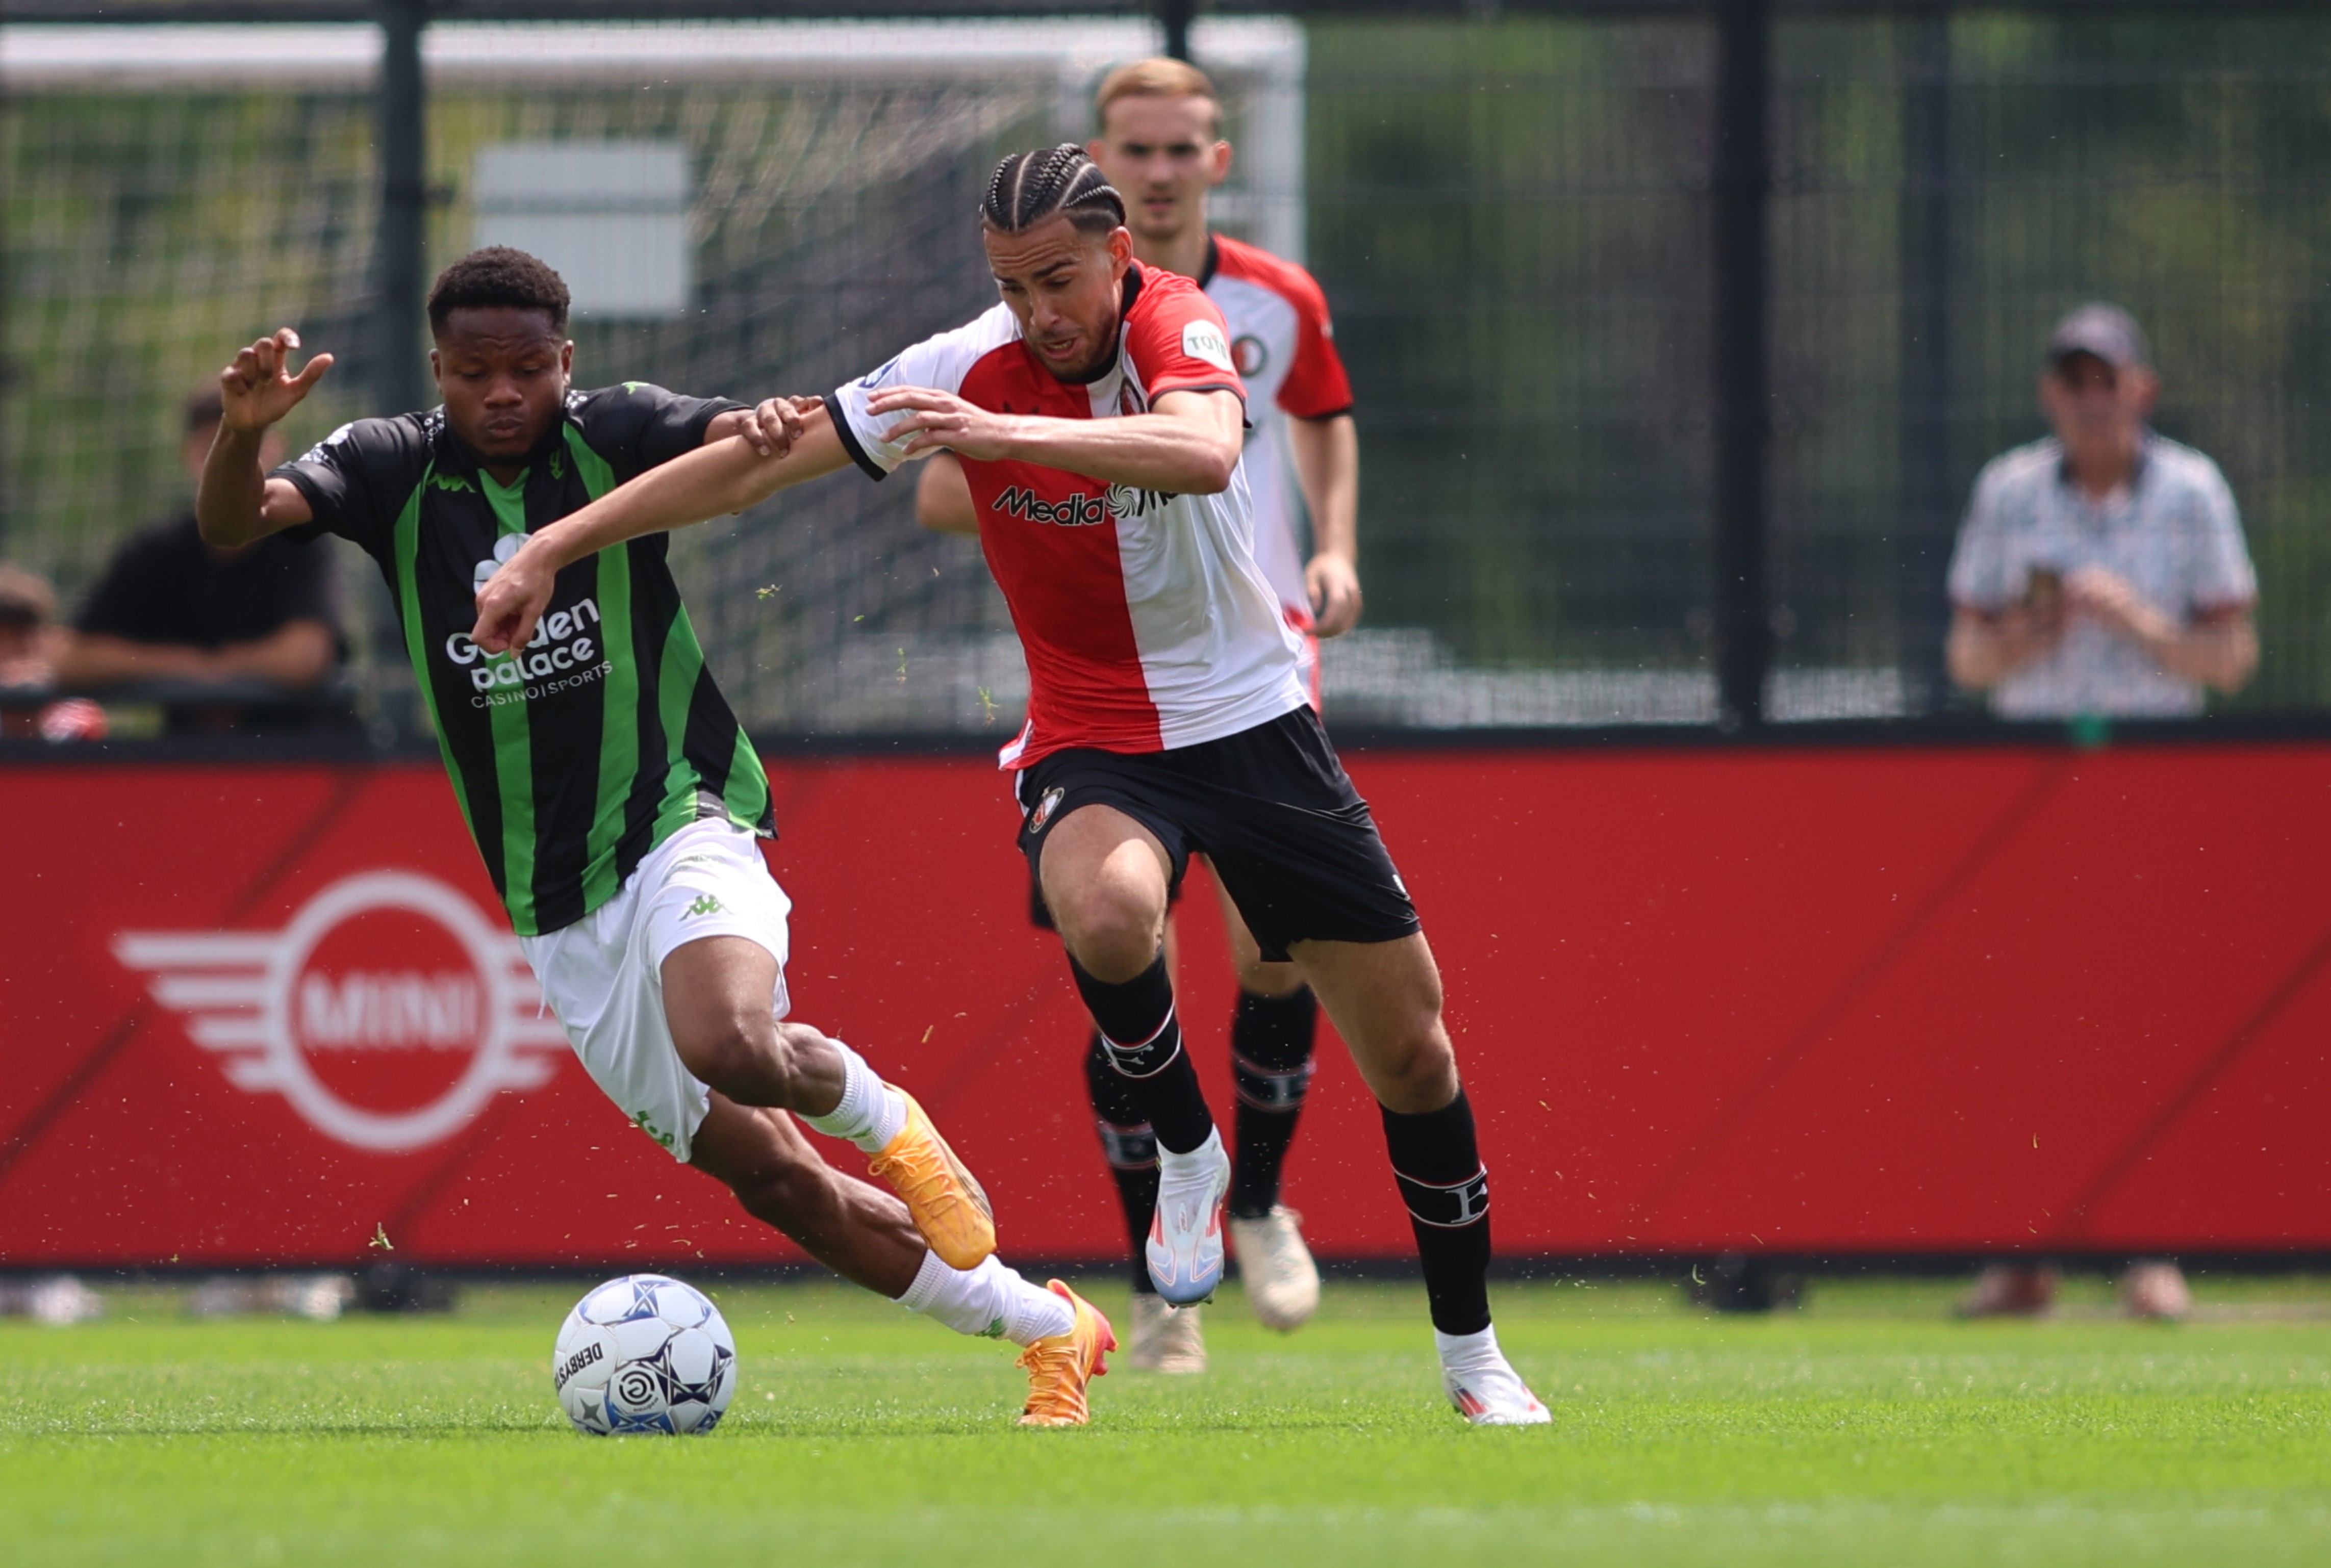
(165, 585)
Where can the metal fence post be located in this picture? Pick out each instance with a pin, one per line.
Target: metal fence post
(404, 208)
(1742, 179)
(398, 386)
(1923, 525)
(1174, 16)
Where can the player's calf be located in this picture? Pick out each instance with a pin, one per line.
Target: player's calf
(721, 1001)
(860, 1232)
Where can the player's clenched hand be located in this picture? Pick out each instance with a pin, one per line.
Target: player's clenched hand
(934, 419)
(778, 424)
(512, 600)
(259, 388)
(1334, 590)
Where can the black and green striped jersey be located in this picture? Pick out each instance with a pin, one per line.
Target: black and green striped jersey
(574, 756)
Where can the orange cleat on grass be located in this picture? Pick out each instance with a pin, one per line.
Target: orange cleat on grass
(1060, 1365)
(948, 1206)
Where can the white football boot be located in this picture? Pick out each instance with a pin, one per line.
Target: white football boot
(1282, 1282)
(1185, 1250)
(1165, 1338)
(1483, 1385)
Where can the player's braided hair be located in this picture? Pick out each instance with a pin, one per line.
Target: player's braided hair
(1031, 186)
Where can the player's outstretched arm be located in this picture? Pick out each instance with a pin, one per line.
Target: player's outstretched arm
(1188, 444)
(723, 477)
(236, 503)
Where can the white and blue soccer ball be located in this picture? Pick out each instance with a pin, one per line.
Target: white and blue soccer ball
(644, 1354)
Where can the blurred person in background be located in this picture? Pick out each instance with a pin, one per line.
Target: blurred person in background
(28, 650)
(1161, 145)
(173, 609)
(2100, 571)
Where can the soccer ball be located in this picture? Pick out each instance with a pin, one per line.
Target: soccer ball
(644, 1354)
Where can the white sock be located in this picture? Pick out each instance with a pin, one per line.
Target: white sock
(990, 1301)
(1470, 1352)
(1198, 1162)
(871, 1113)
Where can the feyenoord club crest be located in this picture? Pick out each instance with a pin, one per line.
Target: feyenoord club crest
(387, 1013)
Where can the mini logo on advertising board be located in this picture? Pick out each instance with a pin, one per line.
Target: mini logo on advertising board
(388, 1012)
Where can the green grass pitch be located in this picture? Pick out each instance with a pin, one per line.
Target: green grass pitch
(1867, 1428)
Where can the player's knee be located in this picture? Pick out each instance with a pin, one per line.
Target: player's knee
(1114, 932)
(740, 1054)
(1274, 980)
(1416, 1071)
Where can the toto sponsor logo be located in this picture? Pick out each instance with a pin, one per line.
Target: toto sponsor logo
(388, 1012)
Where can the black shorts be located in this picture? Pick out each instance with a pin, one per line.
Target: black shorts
(1289, 836)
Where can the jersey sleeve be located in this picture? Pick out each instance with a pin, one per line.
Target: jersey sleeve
(940, 363)
(636, 426)
(1315, 386)
(1979, 564)
(1178, 341)
(357, 480)
(2224, 577)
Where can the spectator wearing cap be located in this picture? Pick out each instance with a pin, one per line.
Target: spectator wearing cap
(175, 610)
(28, 647)
(2101, 571)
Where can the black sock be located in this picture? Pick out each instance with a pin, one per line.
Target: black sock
(1446, 1187)
(1144, 1042)
(1271, 1056)
(1131, 1150)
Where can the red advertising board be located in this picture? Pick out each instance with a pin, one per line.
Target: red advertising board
(1879, 1001)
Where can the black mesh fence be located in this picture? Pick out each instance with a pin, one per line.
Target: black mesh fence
(1513, 218)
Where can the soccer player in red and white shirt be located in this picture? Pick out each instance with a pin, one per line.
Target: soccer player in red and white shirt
(1099, 419)
(1160, 146)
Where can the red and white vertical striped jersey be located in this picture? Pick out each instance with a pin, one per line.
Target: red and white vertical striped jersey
(1147, 623)
(1283, 343)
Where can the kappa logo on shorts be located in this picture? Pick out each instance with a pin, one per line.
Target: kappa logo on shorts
(1045, 808)
(387, 1011)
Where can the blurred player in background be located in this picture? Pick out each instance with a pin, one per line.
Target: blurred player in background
(1098, 420)
(614, 797)
(1160, 146)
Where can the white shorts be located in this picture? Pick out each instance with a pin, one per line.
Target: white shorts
(604, 974)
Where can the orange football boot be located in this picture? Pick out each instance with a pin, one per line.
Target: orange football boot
(948, 1206)
(1060, 1365)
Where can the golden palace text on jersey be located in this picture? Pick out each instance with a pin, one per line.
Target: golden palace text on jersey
(575, 756)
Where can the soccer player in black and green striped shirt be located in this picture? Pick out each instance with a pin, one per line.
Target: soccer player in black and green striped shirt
(611, 791)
